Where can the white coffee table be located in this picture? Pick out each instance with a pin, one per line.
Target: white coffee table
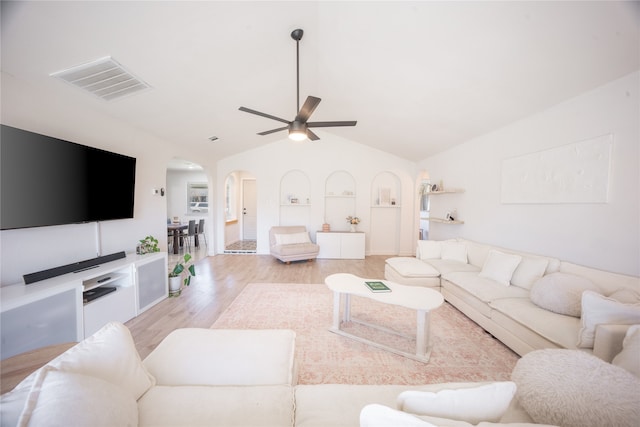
(423, 300)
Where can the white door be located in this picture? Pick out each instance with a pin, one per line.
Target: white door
(249, 211)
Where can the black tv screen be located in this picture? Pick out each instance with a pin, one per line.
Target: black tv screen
(48, 181)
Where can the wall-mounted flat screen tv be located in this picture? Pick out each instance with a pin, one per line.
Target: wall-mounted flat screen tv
(47, 181)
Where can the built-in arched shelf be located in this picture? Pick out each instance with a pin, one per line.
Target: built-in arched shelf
(386, 191)
(339, 200)
(295, 202)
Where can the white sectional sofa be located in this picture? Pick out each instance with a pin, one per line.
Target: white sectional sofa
(527, 301)
(210, 377)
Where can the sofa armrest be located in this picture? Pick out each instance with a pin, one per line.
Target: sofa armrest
(608, 341)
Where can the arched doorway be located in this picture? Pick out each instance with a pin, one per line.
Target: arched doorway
(188, 198)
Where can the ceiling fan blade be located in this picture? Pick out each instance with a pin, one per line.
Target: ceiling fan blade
(331, 124)
(258, 113)
(312, 136)
(307, 109)
(267, 132)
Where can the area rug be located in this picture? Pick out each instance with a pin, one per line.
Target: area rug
(461, 350)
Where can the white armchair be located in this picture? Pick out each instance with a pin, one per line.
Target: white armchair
(292, 243)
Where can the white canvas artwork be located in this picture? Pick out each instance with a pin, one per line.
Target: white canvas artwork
(573, 173)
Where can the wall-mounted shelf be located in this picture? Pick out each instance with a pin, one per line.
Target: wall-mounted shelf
(445, 221)
(446, 191)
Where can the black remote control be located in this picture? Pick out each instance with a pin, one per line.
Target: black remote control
(104, 279)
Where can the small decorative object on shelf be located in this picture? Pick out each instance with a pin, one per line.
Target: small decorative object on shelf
(147, 245)
(353, 221)
(326, 227)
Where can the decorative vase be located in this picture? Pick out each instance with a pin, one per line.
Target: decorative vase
(353, 228)
(175, 284)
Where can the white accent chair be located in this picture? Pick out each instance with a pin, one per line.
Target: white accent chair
(292, 243)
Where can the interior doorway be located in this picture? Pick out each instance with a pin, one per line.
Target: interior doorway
(241, 214)
(249, 210)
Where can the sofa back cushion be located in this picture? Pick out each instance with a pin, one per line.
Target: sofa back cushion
(561, 293)
(109, 354)
(68, 399)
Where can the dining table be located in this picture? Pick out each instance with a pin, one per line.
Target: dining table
(175, 229)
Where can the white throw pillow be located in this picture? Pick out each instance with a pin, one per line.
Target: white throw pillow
(455, 251)
(375, 415)
(561, 293)
(629, 357)
(292, 238)
(109, 354)
(487, 402)
(67, 399)
(500, 267)
(429, 249)
(598, 310)
(572, 388)
(528, 271)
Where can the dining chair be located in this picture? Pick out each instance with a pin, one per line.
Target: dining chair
(191, 232)
(201, 232)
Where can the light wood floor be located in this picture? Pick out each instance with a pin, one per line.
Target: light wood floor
(221, 278)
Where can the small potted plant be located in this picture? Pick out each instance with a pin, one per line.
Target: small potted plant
(147, 245)
(184, 267)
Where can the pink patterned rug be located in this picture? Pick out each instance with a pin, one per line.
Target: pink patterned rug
(462, 351)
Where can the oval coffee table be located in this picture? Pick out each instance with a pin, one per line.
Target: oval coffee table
(423, 300)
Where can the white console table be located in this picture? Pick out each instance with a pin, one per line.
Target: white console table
(341, 245)
(52, 311)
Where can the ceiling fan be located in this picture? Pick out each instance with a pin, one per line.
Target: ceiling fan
(299, 128)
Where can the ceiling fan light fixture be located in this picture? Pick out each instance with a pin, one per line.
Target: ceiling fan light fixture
(298, 131)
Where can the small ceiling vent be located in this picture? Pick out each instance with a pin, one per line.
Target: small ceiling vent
(104, 78)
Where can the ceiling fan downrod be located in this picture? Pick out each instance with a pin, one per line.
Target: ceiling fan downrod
(297, 36)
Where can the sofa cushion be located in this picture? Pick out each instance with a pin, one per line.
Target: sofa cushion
(292, 238)
(561, 293)
(486, 402)
(572, 388)
(109, 354)
(486, 290)
(254, 406)
(528, 271)
(556, 328)
(429, 249)
(198, 356)
(375, 415)
(445, 266)
(61, 398)
(455, 251)
(629, 357)
(500, 267)
(295, 249)
(598, 309)
(412, 267)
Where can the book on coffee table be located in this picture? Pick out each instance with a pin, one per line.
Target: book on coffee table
(377, 287)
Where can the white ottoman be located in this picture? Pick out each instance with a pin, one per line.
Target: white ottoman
(411, 271)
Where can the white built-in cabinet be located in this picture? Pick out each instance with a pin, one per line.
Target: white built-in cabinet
(295, 201)
(341, 245)
(52, 311)
(386, 191)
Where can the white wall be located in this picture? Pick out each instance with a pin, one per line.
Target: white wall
(318, 160)
(605, 236)
(30, 250)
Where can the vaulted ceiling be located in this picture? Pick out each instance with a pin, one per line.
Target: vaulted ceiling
(419, 77)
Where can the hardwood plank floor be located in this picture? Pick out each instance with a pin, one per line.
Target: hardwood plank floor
(221, 278)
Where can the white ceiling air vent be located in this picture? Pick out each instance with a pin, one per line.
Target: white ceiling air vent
(104, 78)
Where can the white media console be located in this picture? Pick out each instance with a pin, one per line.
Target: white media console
(53, 311)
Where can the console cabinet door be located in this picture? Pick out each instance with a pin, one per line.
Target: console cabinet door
(151, 282)
(47, 321)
